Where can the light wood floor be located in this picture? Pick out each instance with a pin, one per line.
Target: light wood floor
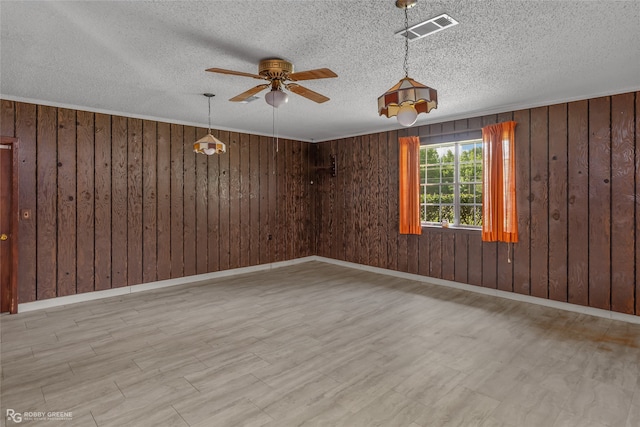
(319, 345)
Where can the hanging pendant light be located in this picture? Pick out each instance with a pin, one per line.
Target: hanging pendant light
(407, 98)
(209, 144)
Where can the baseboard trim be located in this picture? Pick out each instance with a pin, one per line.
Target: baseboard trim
(488, 291)
(95, 295)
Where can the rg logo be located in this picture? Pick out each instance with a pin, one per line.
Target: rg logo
(14, 416)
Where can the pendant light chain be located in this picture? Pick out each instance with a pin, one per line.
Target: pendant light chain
(209, 114)
(406, 43)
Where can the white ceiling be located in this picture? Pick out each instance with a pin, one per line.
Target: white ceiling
(147, 58)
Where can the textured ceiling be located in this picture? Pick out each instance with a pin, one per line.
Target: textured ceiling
(147, 58)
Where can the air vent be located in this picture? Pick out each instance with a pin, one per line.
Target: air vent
(249, 99)
(429, 27)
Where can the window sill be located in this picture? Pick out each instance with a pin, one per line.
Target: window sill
(471, 230)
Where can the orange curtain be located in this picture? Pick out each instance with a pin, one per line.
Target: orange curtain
(409, 185)
(499, 216)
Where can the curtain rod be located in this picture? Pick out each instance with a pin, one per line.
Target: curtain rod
(454, 132)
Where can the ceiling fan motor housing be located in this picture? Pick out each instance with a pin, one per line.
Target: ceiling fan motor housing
(275, 68)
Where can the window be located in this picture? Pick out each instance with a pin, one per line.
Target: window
(451, 183)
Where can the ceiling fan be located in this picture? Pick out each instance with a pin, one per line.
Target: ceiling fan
(279, 73)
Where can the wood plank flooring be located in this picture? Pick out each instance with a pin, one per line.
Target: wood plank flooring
(319, 345)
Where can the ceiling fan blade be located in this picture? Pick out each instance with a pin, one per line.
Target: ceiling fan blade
(248, 94)
(307, 93)
(235, 73)
(320, 73)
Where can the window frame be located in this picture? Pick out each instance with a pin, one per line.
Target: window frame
(457, 143)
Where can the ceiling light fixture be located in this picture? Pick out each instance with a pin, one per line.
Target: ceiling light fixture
(209, 144)
(277, 96)
(407, 98)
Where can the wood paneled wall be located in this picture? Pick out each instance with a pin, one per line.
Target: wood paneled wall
(119, 201)
(578, 201)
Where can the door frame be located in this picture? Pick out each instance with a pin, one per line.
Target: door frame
(14, 142)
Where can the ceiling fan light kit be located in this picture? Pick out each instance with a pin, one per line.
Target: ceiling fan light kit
(276, 97)
(209, 144)
(408, 98)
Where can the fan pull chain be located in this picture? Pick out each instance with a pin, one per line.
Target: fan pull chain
(274, 129)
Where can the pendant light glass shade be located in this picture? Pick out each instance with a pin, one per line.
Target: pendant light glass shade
(209, 145)
(407, 97)
(276, 98)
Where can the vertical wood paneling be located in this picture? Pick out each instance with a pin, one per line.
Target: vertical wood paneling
(363, 201)
(177, 201)
(25, 130)
(134, 201)
(164, 201)
(521, 250)
(448, 255)
(273, 193)
(300, 198)
(539, 202)
(223, 200)
(47, 202)
(637, 205)
(213, 209)
(290, 183)
(66, 202)
(254, 200)
(374, 197)
(435, 254)
(265, 230)
(7, 118)
(291, 192)
(490, 264)
(475, 259)
(119, 201)
(461, 256)
(102, 198)
(578, 198)
(85, 202)
(338, 223)
(424, 243)
(308, 198)
(600, 203)
(622, 203)
(348, 246)
(279, 237)
(284, 184)
(190, 209)
(149, 201)
(557, 160)
(235, 195)
(202, 217)
(328, 219)
(392, 201)
(383, 200)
